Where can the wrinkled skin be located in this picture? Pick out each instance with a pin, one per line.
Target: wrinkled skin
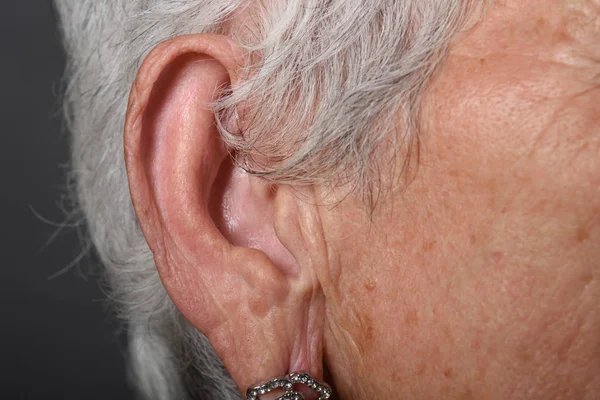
(482, 278)
(476, 279)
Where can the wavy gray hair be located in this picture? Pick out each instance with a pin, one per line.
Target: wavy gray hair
(327, 77)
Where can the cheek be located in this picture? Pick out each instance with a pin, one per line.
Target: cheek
(500, 238)
(479, 278)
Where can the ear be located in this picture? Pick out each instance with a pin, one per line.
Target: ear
(210, 226)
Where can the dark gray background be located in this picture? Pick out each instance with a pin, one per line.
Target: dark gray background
(58, 339)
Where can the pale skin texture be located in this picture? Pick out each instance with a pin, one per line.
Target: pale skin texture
(478, 280)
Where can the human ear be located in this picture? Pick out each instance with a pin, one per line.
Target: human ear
(211, 226)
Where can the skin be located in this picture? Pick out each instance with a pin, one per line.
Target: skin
(479, 279)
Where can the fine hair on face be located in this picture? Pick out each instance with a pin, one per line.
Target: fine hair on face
(322, 79)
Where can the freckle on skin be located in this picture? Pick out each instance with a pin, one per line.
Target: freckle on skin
(525, 355)
(429, 246)
(473, 239)
(468, 394)
(561, 36)
(587, 277)
(449, 373)
(411, 318)
(448, 334)
(396, 377)
(582, 235)
(369, 334)
(370, 286)
(497, 256)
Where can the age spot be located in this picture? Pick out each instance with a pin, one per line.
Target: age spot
(370, 286)
(497, 256)
(411, 318)
(449, 373)
(582, 235)
(427, 247)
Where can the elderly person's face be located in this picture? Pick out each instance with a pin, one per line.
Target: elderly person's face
(474, 275)
(480, 279)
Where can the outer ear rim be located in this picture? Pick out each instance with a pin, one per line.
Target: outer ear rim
(218, 47)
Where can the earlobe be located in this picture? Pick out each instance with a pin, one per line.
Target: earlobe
(210, 229)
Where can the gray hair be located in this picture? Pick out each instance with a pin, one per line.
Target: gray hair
(327, 78)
